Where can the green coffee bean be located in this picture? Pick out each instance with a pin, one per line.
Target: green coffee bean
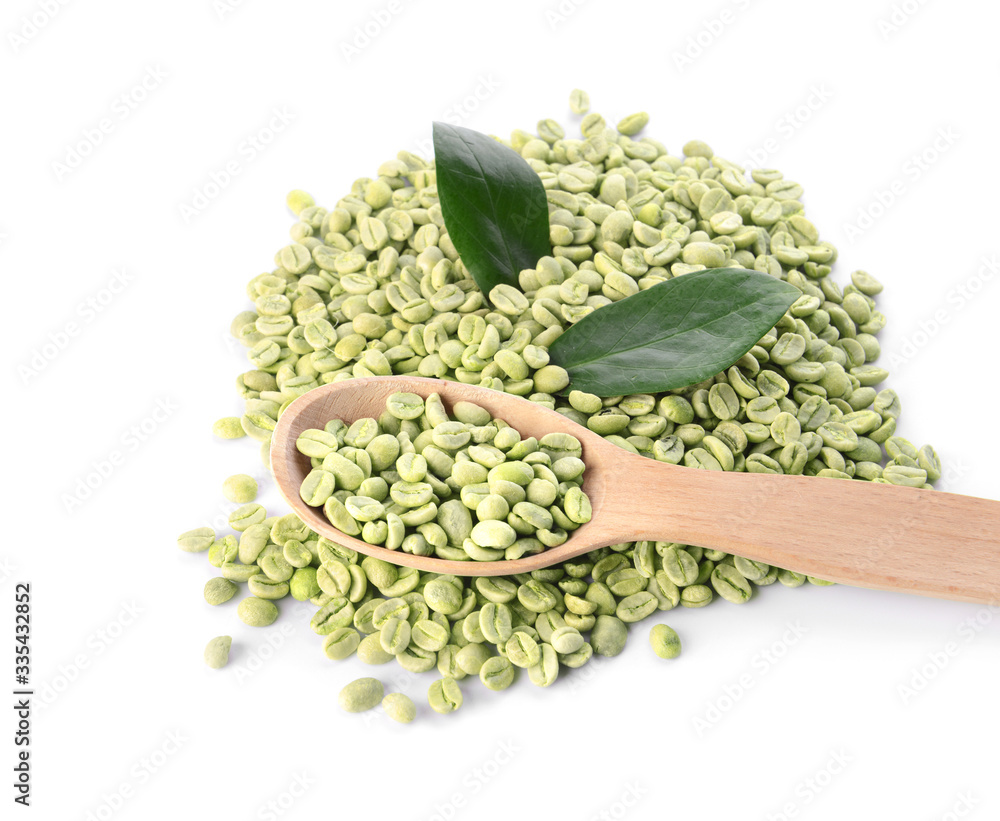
(443, 597)
(730, 584)
(547, 623)
(370, 650)
(495, 622)
(338, 612)
(386, 611)
(472, 657)
(399, 707)
(790, 579)
(381, 574)
(240, 488)
(253, 540)
(246, 516)
(566, 640)
(267, 588)
(546, 671)
(223, 550)
(633, 123)
(749, 569)
(535, 597)
(444, 696)
(257, 612)
(577, 506)
(608, 636)
(394, 636)
(905, 476)
(197, 540)
(219, 590)
(696, 595)
(429, 635)
(364, 616)
(578, 658)
(496, 589)
(680, 566)
(334, 579)
(666, 593)
(239, 572)
(579, 101)
(360, 695)
(228, 427)
(929, 462)
(497, 673)
(274, 566)
(296, 554)
(665, 641)
(522, 650)
(217, 652)
(636, 607)
(341, 643)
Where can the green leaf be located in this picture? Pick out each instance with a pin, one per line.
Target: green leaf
(674, 334)
(493, 203)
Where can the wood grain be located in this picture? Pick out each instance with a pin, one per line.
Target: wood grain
(870, 535)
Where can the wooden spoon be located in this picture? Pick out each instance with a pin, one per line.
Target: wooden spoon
(870, 535)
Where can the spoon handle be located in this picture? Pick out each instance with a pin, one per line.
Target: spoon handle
(869, 535)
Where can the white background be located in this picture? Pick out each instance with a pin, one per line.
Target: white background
(848, 98)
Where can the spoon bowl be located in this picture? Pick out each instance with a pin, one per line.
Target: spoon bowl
(866, 534)
(359, 398)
